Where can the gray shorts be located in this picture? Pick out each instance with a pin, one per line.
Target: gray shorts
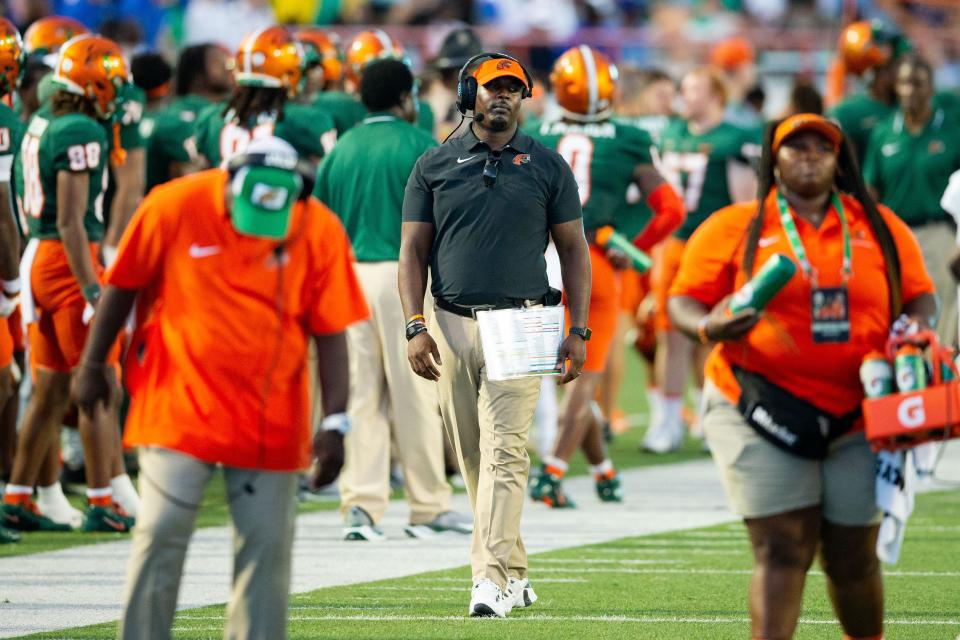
(763, 480)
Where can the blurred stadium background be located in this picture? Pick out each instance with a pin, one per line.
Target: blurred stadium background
(794, 40)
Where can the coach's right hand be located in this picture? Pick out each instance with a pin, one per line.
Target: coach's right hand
(424, 356)
(722, 326)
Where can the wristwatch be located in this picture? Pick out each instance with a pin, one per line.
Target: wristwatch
(583, 332)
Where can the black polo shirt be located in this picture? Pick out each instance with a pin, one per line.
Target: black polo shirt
(489, 241)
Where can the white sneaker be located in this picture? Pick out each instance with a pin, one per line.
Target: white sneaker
(448, 521)
(520, 594)
(487, 600)
(56, 507)
(360, 526)
(658, 439)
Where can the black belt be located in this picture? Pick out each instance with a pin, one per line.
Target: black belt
(470, 311)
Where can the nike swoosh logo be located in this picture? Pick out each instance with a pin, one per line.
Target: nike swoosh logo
(196, 251)
(119, 526)
(766, 242)
(462, 160)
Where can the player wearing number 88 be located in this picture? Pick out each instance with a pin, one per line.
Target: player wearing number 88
(606, 157)
(702, 157)
(60, 184)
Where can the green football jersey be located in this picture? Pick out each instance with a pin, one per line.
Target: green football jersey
(634, 214)
(169, 139)
(858, 115)
(911, 171)
(347, 111)
(11, 131)
(309, 130)
(69, 142)
(696, 166)
(602, 156)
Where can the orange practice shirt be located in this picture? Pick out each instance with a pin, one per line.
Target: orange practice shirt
(781, 346)
(218, 365)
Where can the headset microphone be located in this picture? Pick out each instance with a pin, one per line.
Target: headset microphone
(478, 117)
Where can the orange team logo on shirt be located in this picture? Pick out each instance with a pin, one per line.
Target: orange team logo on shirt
(521, 158)
(936, 146)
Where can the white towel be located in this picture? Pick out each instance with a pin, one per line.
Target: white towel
(896, 482)
(28, 308)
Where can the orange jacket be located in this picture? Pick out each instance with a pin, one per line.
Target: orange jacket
(781, 346)
(218, 364)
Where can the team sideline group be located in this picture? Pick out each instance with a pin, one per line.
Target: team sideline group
(103, 157)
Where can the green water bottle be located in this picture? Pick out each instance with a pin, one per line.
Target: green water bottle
(773, 276)
(910, 369)
(608, 238)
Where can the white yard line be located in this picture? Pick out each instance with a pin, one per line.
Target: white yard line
(83, 585)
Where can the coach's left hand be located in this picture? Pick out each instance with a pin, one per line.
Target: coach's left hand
(328, 452)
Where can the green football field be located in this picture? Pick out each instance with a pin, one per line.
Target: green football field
(690, 584)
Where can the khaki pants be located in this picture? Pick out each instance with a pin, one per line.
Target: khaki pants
(262, 510)
(937, 244)
(387, 397)
(488, 423)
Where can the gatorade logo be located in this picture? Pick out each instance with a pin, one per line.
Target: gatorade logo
(910, 413)
(905, 378)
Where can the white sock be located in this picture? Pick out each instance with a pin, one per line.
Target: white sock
(556, 463)
(672, 412)
(103, 492)
(18, 490)
(603, 468)
(655, 403)
(52, 496)
(125, 494)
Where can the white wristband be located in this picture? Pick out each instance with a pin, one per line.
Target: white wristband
(336, 422)
(11, 287)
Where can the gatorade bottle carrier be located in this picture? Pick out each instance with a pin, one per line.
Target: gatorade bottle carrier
(903, 420)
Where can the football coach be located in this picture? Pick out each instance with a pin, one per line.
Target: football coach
(480, 210)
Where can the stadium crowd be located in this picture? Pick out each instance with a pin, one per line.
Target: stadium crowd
(185, 237)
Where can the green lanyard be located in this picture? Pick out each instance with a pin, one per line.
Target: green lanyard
(793, 236)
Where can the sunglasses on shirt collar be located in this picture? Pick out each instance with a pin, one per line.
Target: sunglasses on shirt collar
(491, 169)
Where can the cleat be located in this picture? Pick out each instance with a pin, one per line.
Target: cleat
(106, 520)
(8, 536)
(548, 489)
(26, 517)
(609, 489)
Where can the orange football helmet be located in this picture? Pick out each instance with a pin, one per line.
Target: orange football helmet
(47, 35)
(270, 58)
(11, 56)
(327, 48)
(860, 48)
(93, 67)
(584, 81)
(369, 46)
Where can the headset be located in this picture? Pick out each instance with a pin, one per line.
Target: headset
(301, 167)
(467, 85)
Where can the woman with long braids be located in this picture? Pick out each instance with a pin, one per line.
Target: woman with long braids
(782, 402)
